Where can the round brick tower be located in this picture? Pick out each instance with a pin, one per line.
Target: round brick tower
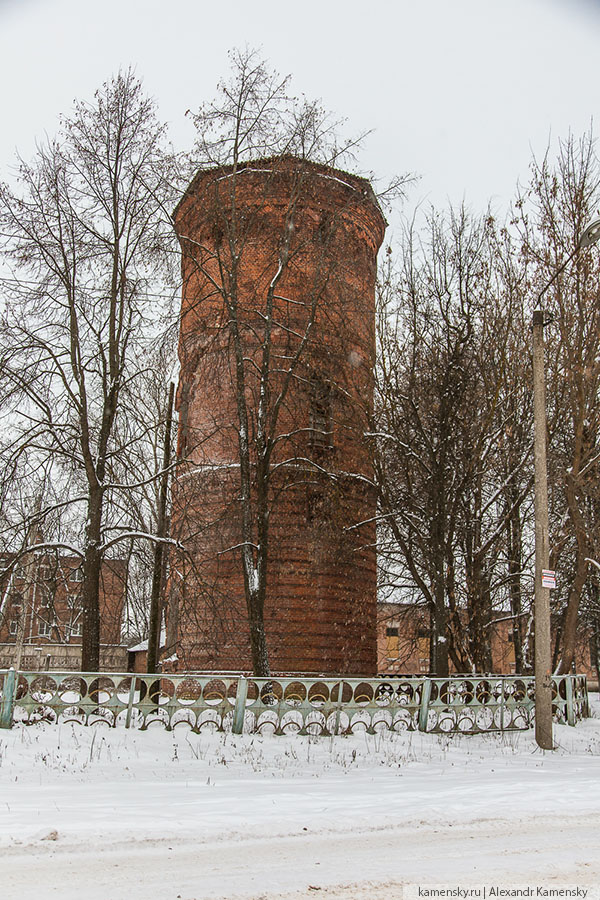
(294, 244)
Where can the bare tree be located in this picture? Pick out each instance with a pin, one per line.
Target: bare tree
(553, 211)
(441, 433)
(514, 458)
(85, 232)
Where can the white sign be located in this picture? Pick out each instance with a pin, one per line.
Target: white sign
(548, 578)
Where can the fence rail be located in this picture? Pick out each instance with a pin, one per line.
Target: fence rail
(327, 706)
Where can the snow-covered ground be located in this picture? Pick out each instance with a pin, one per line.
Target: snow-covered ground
(111, 814)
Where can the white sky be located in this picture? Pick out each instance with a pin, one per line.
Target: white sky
(457, 91)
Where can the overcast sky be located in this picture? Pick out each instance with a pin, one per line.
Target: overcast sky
(460, 92)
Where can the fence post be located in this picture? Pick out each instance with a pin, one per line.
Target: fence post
(424, 708)
(240, 705)
(569, 695)
(338, 709)
(8, 699)
(130, 701)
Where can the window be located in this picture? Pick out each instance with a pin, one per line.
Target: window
(74, 601)
(392, 641)
(76, 574)
(13, 626)
(74, 629)
(43, 572)
(44, 627)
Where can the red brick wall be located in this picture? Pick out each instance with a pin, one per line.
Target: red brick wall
(403, 643)
(321, 595)
(47, 595)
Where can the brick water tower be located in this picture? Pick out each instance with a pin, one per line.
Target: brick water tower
(279, 268)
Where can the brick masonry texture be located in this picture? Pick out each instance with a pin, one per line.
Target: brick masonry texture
(320, 608)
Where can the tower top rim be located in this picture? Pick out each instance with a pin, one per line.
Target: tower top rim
(280, 165)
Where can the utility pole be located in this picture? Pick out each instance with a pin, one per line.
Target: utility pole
(541, 595)
(543, 675)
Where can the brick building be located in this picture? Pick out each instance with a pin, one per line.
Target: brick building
(403, 635)
(320, 609)
(42, 613)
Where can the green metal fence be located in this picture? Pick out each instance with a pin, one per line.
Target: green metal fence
(326, 706)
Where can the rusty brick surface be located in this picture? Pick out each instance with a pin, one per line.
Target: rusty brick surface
(320, 610)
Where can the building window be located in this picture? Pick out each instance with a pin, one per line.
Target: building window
(320, 419)
(44, 627)
(43, 573)
(74, 629)
(392, 641)
(13, 626)
(74, 601)
(76, 574)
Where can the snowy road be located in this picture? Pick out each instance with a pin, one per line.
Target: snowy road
(504, 853)
(112, 814)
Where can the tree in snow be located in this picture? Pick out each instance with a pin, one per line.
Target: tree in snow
(455, 433)
(551, 215)
(443, 425)
(86, 230)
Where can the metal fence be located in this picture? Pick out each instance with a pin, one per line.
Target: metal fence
(325, 706)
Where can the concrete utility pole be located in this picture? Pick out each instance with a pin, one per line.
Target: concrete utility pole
(543, 655)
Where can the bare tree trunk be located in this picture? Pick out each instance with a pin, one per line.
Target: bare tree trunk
(258, 645)
(569, 639)
(513, 529)
(596, 650)
(90, 593)
(439, 643)
(159, 550)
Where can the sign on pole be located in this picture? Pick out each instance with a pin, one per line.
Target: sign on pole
(548, 578)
